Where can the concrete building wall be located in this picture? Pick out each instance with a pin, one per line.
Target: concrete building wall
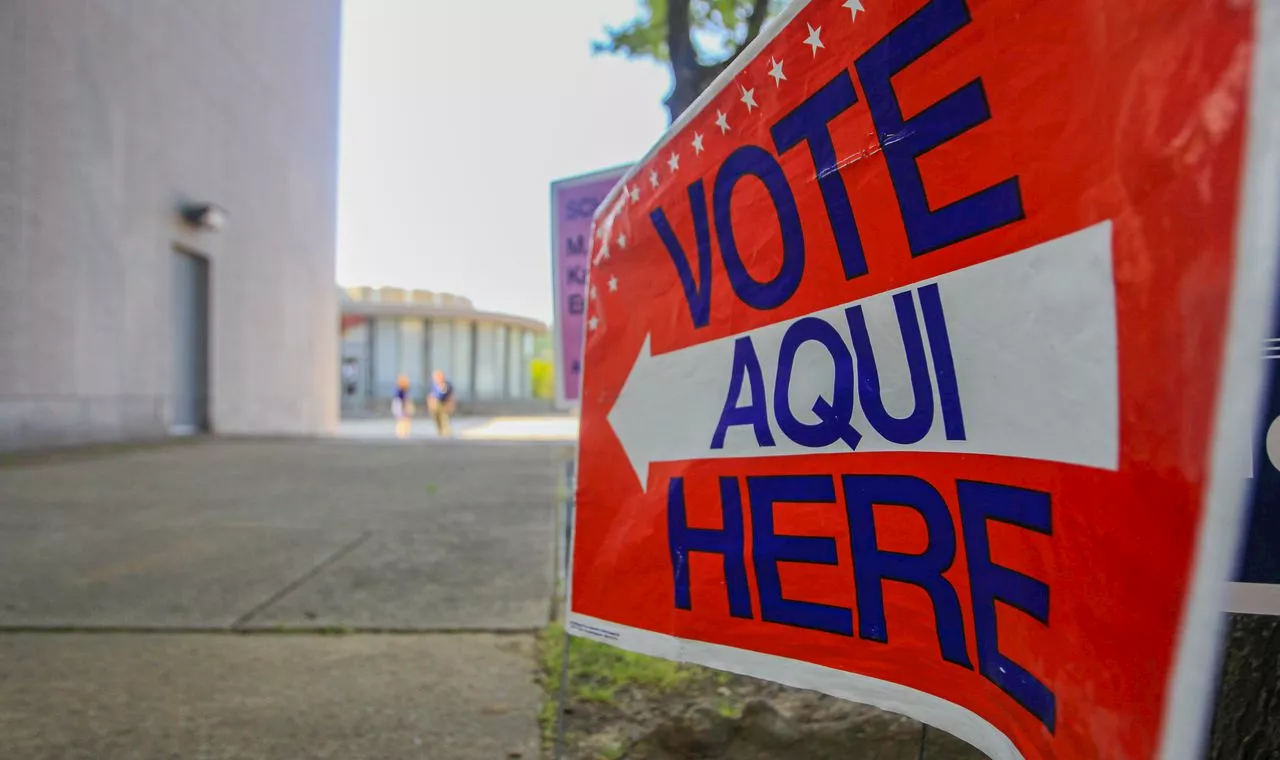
(517, 365)
(112, 114)
(355, 346)
(499, 359)
(442, 346)
(386, 356)
(463, 345)
(488, 376)
(412, 343)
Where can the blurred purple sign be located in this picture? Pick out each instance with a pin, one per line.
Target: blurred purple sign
(573, 202)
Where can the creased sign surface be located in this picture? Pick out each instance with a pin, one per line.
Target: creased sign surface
(909, 355)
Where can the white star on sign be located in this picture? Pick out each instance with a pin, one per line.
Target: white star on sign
(604, 252)
(635, 194)
(592, 323)
(600, 233)
(697, 143)
(749, 98)
(594, 293)
(653, 177)
(722, 121)
(776, 72)
(613, 284)
(814, 39)
(673, 163)
(854, 6)
(622, 241)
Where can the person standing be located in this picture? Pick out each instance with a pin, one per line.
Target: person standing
(441, 402)
(402, 407)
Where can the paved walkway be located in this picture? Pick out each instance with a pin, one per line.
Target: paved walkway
(201, 697)
(287, 537)
(546, 428)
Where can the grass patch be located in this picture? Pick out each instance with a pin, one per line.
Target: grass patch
(599, 673)
(547, 721)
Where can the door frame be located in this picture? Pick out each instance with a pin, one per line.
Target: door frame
(204, 412)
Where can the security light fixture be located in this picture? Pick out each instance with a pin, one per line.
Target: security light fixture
(206, 216)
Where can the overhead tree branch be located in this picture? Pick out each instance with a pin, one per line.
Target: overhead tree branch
(680, 34)
(755, 22)
(685, 69)
(667, 32)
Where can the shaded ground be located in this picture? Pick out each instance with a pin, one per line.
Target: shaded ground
(130, 546)
(202, 584)
(303, 534)
(201, 696)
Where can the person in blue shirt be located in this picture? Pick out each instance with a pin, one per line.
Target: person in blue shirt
(441, 402)
(402, 407)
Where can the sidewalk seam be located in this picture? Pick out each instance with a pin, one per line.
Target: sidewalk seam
(289, 588)
(324, 630)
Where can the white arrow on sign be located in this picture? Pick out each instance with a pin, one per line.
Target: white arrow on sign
(1032, 339)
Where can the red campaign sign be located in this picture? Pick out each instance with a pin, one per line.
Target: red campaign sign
(921, 362)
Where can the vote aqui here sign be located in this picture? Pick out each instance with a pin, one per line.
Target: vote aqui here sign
(921, 365)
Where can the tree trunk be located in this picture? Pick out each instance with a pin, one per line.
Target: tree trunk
(685, 69)
(690, 81)
(689, 84)
(1246, 721)
(690, 77)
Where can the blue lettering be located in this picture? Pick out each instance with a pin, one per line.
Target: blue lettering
(905, 140)
(727, 542)
(833, 416)
(989, 583)
(872, 566)
(746, 366)
(914, 426)
(758, 162)
(856, 373)
(808, 122)
(696, 294)
(944, 369)
(769, 548)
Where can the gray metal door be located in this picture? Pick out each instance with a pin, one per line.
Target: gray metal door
(190, 343)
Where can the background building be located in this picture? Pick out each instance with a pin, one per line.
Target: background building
(118, 317)
(387, 332)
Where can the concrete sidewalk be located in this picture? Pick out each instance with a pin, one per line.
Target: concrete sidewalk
(270, 536)
(544, 428)
(267, 697)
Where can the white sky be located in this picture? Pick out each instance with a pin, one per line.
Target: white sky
(456, 116)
